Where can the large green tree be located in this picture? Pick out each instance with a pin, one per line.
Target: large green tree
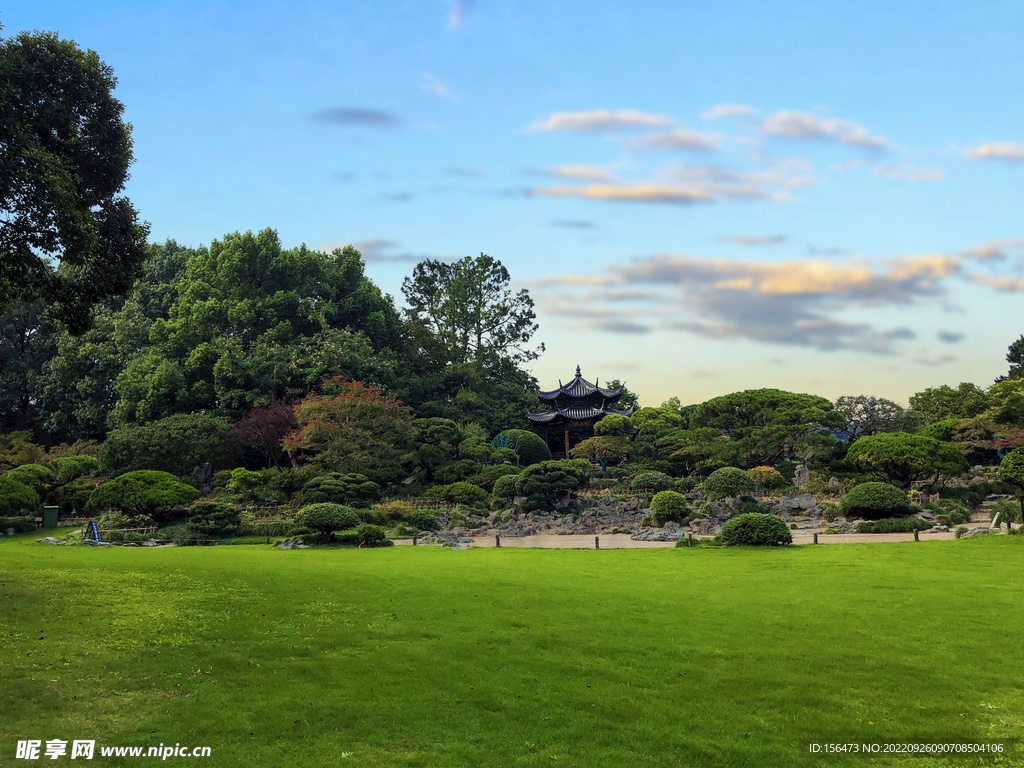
(944, 402)
(765, 425)
(900, 459)
(866, 415)
(67, 235)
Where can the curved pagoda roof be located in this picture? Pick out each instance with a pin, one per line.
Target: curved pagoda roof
(578, 387)
(579, 400)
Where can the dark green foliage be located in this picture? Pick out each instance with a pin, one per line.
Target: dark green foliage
(458, 493)
(144, 492)
(650, 482)
(64, 158)
(486, 476)
(352, 488)
(939, 403)
(32, 475)
(372, 536)
(752, 506)
(547, 483)
(25, 524)
(893, 525)
(505, 487)
(874, 501)
(727, 481)
(763, 425)
(531, 447)
(299, 531)
(901, 458)
(176, 444)
(266, 528)
(940, 430)
(684, 484)
(326, 517)
(211, 518)
(1011, 470)
(1008, 511)
(755, 530)
(424, 520)
(669, 505)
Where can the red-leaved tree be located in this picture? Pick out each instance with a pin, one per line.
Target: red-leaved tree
(262, 430)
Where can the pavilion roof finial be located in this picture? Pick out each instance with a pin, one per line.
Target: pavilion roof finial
(578, 372)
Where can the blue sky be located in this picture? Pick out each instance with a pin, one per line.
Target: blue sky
(701, 198)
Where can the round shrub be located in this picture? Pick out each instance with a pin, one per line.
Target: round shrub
(755, 530)
(728, 481)
(873, 501)
(669, 505)
(650, 482)
(372, 536)
(143, 492)
(547, 484)
(340, 489)
(16, 497)
(211, 518)
(424, 520)
(458, 493)
(326, 517)
(32, 475)
(531, 448)
(766, 477)
(505, 487)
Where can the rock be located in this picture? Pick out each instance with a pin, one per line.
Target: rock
(50, 540)
(975, 532)
(10, 531)
(204, 476)
(801, 501)
(786, 517)
(802, 476)
(834, 484)
(925, 515)
(705, 527)
(938, 529)
(292, 544)
(977, 469)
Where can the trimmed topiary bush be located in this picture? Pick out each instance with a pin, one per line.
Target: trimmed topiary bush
(458, 493)
(669, 505)
(340, 489)
(893, 525)
(326, 517)
(727, 481)
(212, 518)
(145, 492)
(17, 497)
(684, 484)
(505, 487)
(547, 484)
(372, 536)
(650, 482)
(424, 520)
(530, 447)
(874, 501)
(766, 477)
(32, 475)
(755, 530)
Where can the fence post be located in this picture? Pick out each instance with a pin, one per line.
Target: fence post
(597, 543)
(815, 538)
(689, 542)
(415, 539)
(497, 539)
(916, 536)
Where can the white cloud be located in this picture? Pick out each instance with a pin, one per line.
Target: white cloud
(432, 84)
(727, 110)
(600, 120)
(909, 172)
(804, 125)
(1013, 153)
(679, 139)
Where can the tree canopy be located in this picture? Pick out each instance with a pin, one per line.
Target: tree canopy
(900, 458)
(67, 236)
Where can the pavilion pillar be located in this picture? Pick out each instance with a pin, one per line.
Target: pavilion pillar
(567, 443)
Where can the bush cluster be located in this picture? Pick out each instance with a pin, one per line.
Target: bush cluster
(213, 518)
(547, 484)
(505, 487)
(424, 520)
(893, 525)
(766, 477)
(530, 447)
(727, 481)
(650, 482)
(17, 497)
(458, 493)
(25, 524)
(351, 489)
(874, 501)
(326, 517)
(756, 530)
(372, 536)
(669, 505)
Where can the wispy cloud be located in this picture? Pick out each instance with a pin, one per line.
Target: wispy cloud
(580, 173)
(727, 110)
(950, 337)
(574, 224)
(691, 185)
(460, 9)
(679, 139)
(600, 120)
(752, 241)
(804, 125)
(910, 172)
(996, 250)
(817, 250)
(464, 173)
(379, 251)
(432, 84)
(1007, 152)
(356, 117)
(1003, 284)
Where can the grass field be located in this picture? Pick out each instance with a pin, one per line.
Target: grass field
(510, 657)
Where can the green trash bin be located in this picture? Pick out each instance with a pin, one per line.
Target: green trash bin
(50, 517)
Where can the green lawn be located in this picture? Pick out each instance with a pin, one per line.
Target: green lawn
(511, 657)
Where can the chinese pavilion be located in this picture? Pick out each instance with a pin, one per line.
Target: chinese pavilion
(575, 408)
